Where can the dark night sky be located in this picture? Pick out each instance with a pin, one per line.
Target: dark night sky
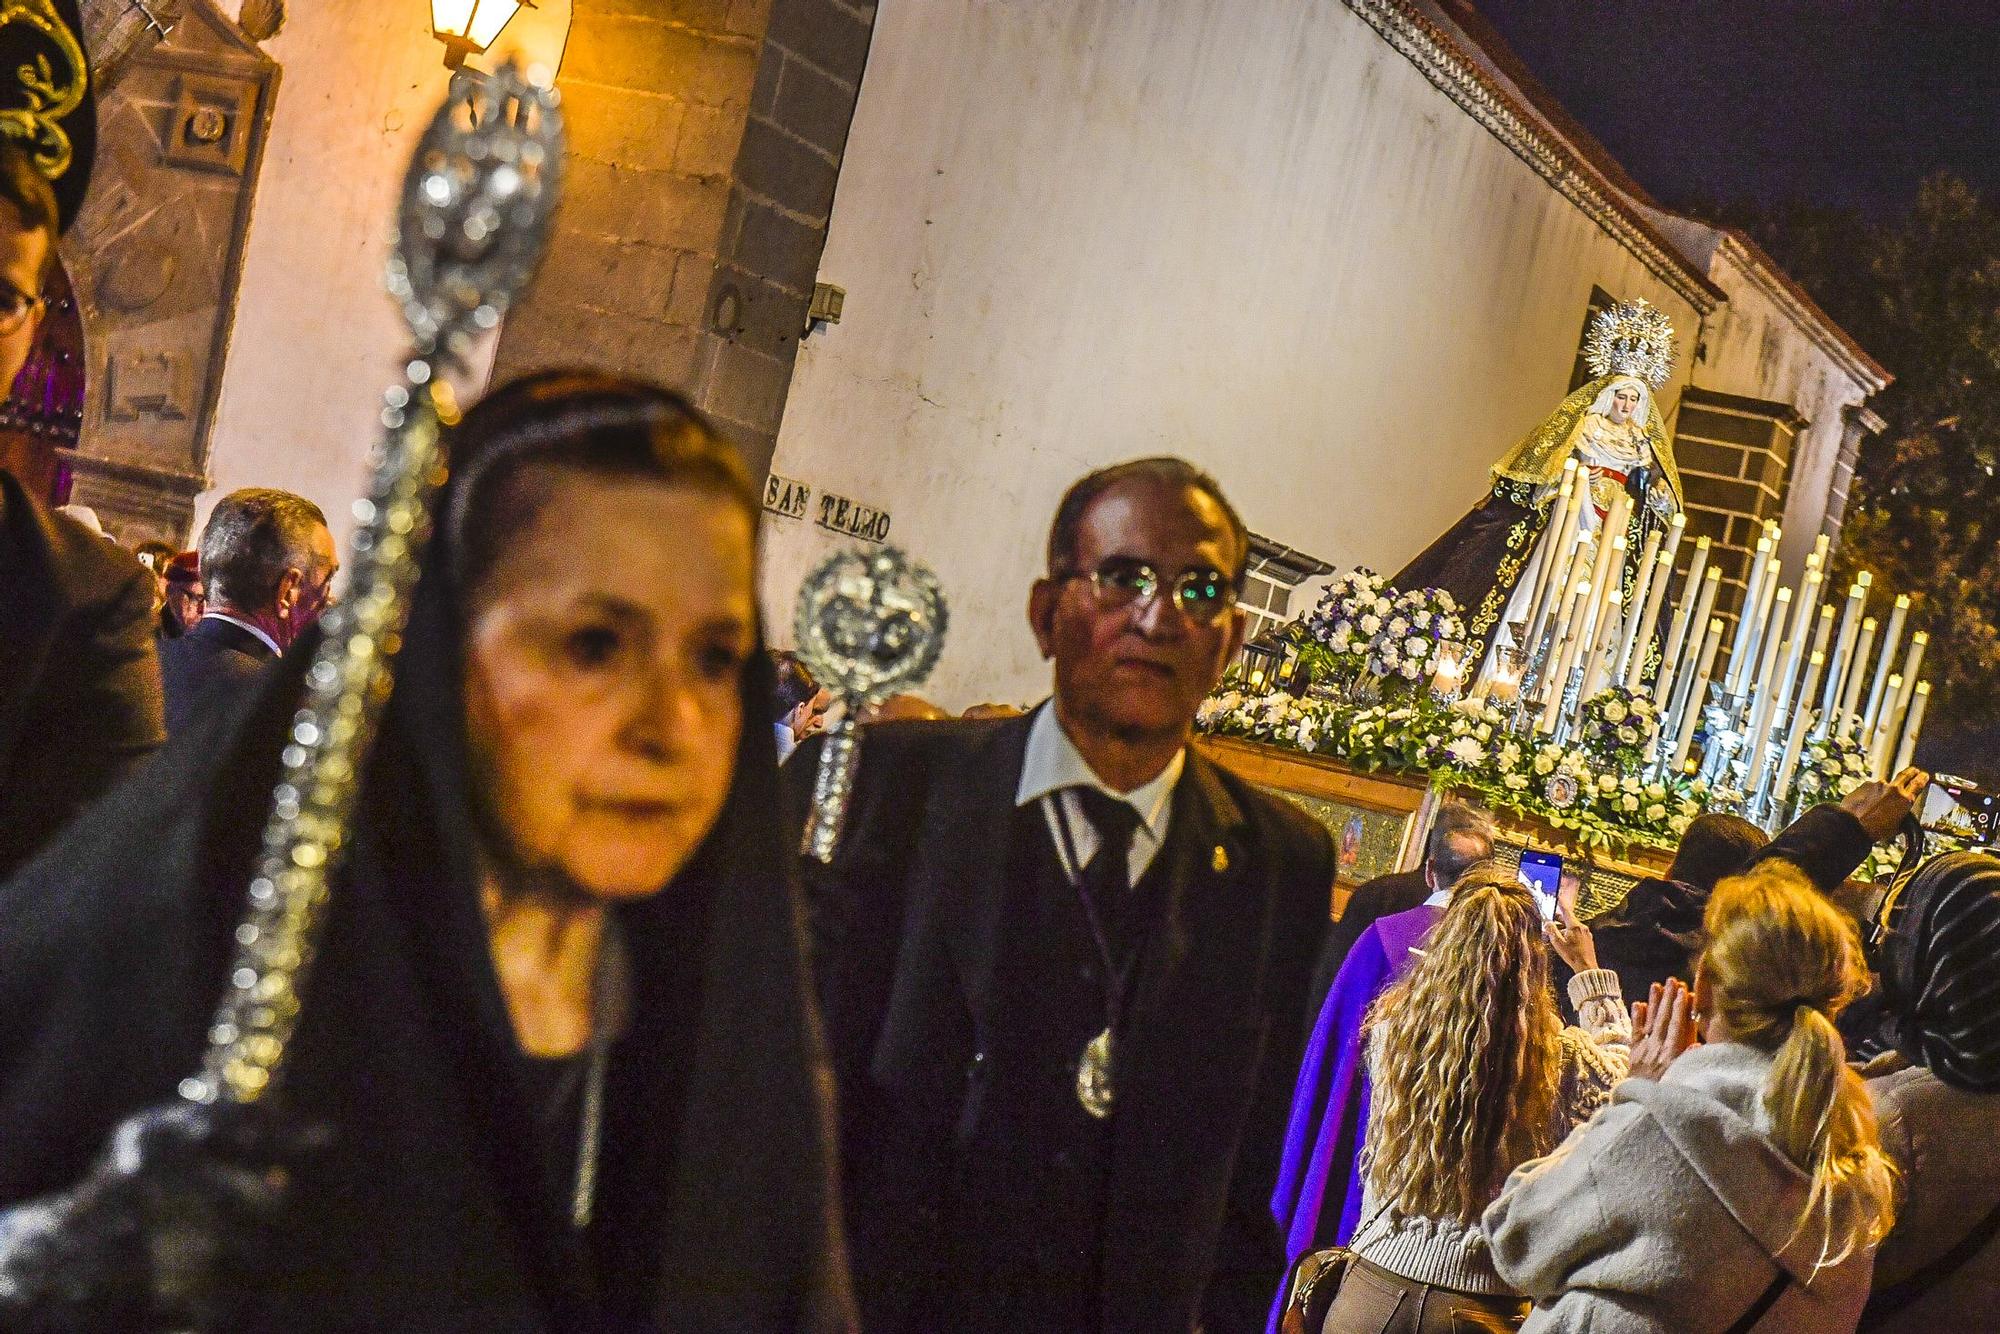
(1821, 101)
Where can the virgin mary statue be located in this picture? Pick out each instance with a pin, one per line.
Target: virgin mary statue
(1612, 428)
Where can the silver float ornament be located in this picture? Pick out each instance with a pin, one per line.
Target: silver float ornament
(474, 217)
(869, 624)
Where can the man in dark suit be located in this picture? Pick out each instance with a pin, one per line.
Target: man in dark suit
(1062, 958)
(79, 687)
(1460, 838)
(267, 563)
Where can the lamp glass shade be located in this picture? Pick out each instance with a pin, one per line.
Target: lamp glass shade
(477, 23)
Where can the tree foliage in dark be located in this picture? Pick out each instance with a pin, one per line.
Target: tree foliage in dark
(1921, 291)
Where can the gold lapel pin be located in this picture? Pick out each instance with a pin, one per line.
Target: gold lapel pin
(1220, 859)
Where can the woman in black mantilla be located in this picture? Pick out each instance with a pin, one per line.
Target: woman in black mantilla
(1612, 428)
(558, 1027)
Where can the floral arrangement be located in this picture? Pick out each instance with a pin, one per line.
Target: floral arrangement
(1351, 612)
(1830, 767)
(1468, 745)
(1418, 621)
(1620, 726)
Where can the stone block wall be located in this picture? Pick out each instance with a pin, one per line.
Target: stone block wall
(1734, 456)
(705, 140)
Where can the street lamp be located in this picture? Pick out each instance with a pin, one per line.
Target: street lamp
(468, 27)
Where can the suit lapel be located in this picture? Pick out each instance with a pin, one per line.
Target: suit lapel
(30, 608)
(962, 854)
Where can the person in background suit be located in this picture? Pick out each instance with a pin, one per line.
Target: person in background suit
(267, 563)
(79, 685)
(185, 600)
(1460, 838)
(1061, 958)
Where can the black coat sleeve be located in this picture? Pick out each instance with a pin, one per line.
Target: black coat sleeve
(1250, 1253)
(1827, 843)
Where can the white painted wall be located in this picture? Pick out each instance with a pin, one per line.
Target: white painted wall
(316, 340)
(1245, 231)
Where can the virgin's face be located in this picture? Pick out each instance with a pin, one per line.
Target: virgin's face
(1624, 403)
(603, 655)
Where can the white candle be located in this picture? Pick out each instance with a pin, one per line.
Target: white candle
(1698, 683)
(1763, 712)
(1843, 653)
(1878, 741)
(1548, 615)
(1907, 752)
(1850, 698)
(1597, 667)
(1801, 724)
(1554, 548)
(1893, 710)
(1760, 629)
(1685, 615)
(1563, 655)
(1753, 589)
(1649, 619)
(1892, 639)
(1918, 643)
(1680, 663)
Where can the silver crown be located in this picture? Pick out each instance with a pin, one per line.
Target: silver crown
(1632, 338)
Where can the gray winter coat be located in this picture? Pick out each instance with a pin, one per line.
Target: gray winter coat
(1668, 1213)
(1943, 1141)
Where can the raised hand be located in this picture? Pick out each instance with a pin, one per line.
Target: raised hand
(1880, 807)
(1662, 1028)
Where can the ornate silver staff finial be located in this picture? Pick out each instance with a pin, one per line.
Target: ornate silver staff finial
(475, 214)
(869, 624)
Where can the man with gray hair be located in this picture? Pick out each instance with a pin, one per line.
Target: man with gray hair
(267, 562)
(1461, 837)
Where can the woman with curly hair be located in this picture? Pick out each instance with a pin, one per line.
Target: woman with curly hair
(1739, 1186)
(1473, 1073)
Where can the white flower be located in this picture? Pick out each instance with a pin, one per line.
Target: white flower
(1614, 711)
(1381, 607)
(1657, 791)
(1415, 647)
(1829, 766)
(1422, 620)
(1514, 782)
(1510, 755)
(1656, 812)
(1370, 623)
(1631, 784)
(1466, 752)
(1306, 734)
(1208, 711)
(1629, 735)
(1628, 802)
(1398, 627)
(1607, 783)
(1856, 764)
(1848, 785)
(1411, 671)
(1545, 762)
(1483, 732)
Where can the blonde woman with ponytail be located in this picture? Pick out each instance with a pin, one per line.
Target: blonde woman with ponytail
(1733, 1185)
(1471, 1073)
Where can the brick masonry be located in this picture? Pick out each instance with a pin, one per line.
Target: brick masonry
(705, 142)
(1734, 464)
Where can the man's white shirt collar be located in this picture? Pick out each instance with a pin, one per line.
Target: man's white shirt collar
(269, 642)
(1053, 763)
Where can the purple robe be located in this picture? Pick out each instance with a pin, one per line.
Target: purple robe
(1321, 1171)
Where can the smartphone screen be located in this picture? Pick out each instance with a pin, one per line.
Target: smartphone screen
(1542, 873)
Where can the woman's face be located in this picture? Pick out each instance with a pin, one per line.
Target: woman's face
(1624, 403)
(603, 655)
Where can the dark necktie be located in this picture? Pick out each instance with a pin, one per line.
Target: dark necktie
(1106, 879)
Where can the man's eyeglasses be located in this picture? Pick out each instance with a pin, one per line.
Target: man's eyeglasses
(1200, 595)
(15, 307)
